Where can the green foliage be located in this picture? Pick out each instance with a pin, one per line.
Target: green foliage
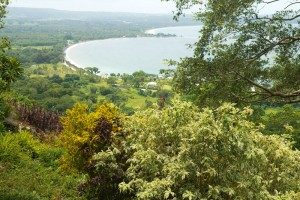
(116, 98)
(112, 80)
(108, 171)
(92, 70)
(58, 90)
(181, 153)
(243, 54)
(49, 156)
(14, 145)
(138, 78)
(4, 112)
(29, 55)
(284, 121)
(85, 134)
(28, 169)
(10, 68)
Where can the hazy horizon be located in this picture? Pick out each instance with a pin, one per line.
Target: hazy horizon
(131, 6)
(141, 6)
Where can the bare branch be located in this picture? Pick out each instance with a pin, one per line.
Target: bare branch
(284, 41)
(291, 4)
(268, 2)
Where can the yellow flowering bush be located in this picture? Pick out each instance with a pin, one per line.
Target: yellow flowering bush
(86, 133)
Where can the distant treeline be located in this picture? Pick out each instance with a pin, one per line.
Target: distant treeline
(40, 35)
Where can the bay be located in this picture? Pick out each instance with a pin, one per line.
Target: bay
(127, 55)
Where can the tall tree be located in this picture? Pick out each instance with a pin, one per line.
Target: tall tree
(10, 68)
(247, 52)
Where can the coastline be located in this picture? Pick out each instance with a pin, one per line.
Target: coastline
(153, 32)
(67, 59)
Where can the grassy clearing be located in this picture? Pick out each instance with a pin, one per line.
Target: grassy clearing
(48, 70)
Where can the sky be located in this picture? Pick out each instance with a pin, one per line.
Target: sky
(137, 6)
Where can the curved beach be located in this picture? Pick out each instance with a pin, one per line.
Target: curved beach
(126, 55)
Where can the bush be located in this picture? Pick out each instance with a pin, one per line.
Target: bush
(105, 91)
(86, 134)
(13, 145)
(4, 112)
(181, 153)
(28, 170)
(49, 156)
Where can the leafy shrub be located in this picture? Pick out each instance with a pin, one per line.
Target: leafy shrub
(4, 111)
(116, 98)
(9, 150)
(108, 171)
(181, 153)
(86, 134)
(27, 170)
(13, 145)
(49, 156)
(105, 91)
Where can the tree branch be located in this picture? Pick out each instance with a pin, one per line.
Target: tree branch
(269, 93)
(284, 41)
(291, 4)
(277, 19)
(268, 2)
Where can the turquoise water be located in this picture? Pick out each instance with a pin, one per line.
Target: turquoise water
(127, 55)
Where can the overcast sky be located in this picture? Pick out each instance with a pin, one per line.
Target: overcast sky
(139, 6)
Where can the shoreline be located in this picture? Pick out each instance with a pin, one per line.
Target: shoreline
(151, 32)
(67, 59)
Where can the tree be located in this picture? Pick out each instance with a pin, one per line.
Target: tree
(138, 78)
(243, 54)
(10, 68)
(181, 153)
(92, 70)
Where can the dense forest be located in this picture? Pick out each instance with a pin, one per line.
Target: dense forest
(225, 124)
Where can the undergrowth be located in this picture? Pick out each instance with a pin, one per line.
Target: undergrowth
(28, 170)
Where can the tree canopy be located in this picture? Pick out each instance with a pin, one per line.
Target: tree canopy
(247, 52)
(10, 67)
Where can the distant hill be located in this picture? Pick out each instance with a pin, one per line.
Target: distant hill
(41, 14)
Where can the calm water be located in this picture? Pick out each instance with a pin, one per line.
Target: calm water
(127, 55)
